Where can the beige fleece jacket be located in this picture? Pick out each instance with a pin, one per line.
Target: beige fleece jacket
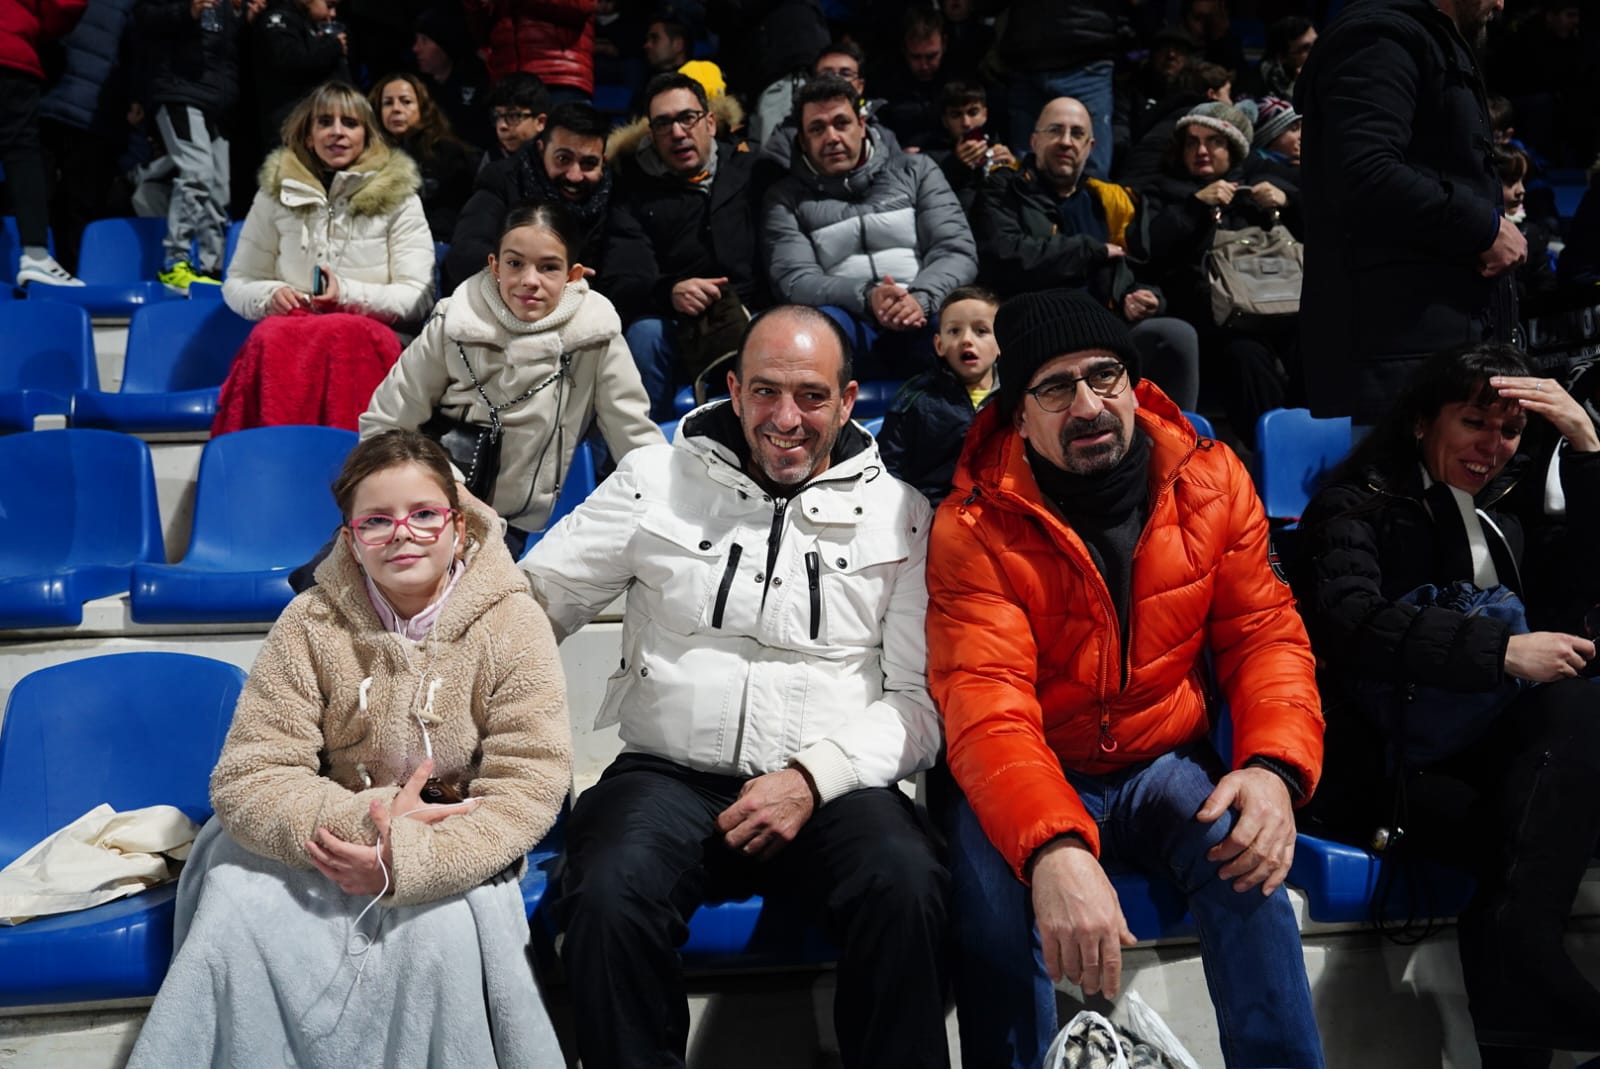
(328, 721)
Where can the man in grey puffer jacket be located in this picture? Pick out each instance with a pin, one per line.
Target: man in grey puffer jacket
(875, 239)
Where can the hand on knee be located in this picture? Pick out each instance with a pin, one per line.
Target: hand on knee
(1260, 848)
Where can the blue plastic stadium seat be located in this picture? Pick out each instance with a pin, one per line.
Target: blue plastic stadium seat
(179, 352)
(613, 100)
(129, 730)
(578, 484)
(873, 397)
(1201, 425)
(1293, 451)
(873, 426)
(669, 429)
(118, 262)
(1340, 882)
(48, 352)
(683, 400)
(80, 511)
(262, 508)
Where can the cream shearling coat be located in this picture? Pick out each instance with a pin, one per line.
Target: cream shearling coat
(328, 722)
(368, 226)
(510, 357)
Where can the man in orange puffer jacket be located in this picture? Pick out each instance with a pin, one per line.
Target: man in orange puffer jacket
(1091, 557)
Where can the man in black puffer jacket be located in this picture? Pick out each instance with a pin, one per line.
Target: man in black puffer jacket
(1407, 250)
(681, 236)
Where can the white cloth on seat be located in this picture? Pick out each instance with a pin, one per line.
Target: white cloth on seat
(102, 856)
(269, 968)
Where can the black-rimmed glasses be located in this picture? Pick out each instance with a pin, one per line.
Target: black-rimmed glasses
(687, 119)
(426, 524)
(1058, 393)
(511, 118)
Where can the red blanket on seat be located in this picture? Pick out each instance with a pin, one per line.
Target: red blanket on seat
(307, 369)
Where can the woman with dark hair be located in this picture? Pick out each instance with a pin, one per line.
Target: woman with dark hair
(400, 745)
(413, 122)
(1452, 686)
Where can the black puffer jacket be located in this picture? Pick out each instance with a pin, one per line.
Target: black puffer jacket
(188, 66)
(925, 428)
(1401, 196)
(660, 232)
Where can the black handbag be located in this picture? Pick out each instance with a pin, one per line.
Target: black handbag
(474, 448)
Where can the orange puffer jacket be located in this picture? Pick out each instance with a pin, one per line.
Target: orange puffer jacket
(1025, 657)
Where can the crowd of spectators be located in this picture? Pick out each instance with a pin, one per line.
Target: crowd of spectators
(1016, 146)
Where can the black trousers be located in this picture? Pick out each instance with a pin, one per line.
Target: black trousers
(20, 152)
(643, 852)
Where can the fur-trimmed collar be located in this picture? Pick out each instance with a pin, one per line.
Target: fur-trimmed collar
(375, 184)
(626, 140)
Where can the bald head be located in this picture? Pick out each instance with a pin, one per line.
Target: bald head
(1061, 142)
(791, 390)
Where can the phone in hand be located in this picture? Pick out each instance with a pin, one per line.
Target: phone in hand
(319, 281)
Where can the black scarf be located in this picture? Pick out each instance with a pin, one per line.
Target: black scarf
(1108, 512)
(536, 186)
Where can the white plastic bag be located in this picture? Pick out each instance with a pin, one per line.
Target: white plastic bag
(1089, 1041)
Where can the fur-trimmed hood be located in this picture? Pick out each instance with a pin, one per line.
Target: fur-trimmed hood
(376, 184)
(626, 140)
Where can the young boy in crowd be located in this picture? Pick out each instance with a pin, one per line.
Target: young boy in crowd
(972, 151)
(519, 104)
(928, 419)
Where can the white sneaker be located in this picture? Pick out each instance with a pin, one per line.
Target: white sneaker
(44, 270)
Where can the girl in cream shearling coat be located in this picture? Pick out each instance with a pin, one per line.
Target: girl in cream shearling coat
(273, 961)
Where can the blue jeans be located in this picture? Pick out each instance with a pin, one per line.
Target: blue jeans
(654, 344)
(885, 354)
(1249, 944)
(1090, 84)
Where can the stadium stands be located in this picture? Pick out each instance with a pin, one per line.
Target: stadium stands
(47, 357)
(178, 355)
(262, 508)
(1293, 451)
(118, 263)
(80, 511)
(129, 730)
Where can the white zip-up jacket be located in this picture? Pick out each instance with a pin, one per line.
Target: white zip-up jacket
(758, 632)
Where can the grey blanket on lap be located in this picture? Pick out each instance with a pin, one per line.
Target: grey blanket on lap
(269, 969)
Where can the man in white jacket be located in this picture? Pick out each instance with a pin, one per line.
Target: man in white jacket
(771, 694)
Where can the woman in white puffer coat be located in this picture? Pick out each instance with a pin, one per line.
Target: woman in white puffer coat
(336, 198)
(335, 262)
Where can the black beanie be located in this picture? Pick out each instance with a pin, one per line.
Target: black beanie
(1034, 328)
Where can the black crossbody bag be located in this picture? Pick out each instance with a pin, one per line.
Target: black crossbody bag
(474, 448)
